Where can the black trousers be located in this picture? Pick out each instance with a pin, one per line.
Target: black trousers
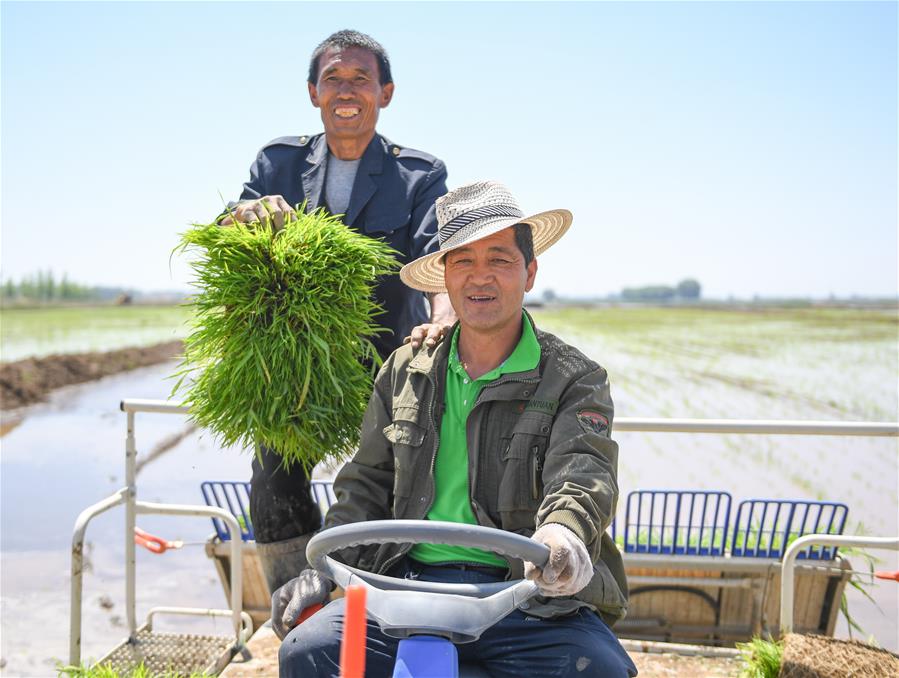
(284, 516)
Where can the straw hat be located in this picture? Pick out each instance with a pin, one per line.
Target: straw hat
(474, 212)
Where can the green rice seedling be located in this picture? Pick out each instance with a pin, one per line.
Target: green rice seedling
(861, 581)
(282, 334)
(107, 671)
(761, 658)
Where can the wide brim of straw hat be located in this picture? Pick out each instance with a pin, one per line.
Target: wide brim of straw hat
(426, 273)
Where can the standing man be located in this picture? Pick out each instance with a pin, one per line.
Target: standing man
(383, 190)
(500, 425)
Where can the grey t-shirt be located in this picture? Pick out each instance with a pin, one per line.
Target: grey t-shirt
(339, 179)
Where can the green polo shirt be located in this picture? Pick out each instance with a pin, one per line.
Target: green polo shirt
(452, 501)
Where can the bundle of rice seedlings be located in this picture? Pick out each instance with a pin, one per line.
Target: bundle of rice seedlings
(281, 334)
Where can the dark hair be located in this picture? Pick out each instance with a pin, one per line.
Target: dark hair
(524, 238)
(345, 39)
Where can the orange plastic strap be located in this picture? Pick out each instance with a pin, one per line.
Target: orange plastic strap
(352, 647)
(153, 543)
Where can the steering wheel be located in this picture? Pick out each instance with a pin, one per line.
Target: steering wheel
(406, 607)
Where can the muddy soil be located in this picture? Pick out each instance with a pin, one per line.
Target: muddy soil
(28, 381)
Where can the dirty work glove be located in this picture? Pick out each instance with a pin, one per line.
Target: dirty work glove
(289, 601)
(568, 568)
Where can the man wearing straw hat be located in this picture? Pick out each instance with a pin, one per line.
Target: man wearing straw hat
(501, 425)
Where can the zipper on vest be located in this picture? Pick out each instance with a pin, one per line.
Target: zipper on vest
(436, 425)
(475, 457)
(405, 548)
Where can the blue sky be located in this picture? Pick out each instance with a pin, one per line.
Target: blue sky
(752, 146)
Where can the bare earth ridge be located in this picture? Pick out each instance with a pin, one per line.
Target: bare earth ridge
(28, 381)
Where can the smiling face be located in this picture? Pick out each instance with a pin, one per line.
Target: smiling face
(350, 95)
(486, 282)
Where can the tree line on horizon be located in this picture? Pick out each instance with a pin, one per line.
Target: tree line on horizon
(686, 290)
(44, 288)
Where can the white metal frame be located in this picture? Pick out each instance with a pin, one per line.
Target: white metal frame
(759, 426)
(789, 565)
(128, 496)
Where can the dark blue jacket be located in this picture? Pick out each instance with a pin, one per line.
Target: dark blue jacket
(392, 199)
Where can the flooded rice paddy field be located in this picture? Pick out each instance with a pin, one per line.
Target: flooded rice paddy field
(793, 364)
(804, 364)
(33, 332)
(829, 365)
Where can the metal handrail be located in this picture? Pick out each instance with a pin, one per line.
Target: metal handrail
(759, 426)
(128, 496)
(158, 406)
(789, 564)
(121, 497)
(236, 546)
(81, 524)
(653, 424)
(718, 426)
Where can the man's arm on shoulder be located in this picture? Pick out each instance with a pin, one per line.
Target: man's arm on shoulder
(580, 472)
(443, 316)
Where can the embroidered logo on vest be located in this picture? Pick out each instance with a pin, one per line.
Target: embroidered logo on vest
(592, 421)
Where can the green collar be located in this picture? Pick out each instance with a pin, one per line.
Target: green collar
(526, 355)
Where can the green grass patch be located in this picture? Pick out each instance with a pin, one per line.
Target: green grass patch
(75, 329)
(107, 671)
(761, 658)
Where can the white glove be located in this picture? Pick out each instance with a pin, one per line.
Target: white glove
(289, 601)
(568, 568)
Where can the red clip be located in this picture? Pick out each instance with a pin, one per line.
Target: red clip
(308, 612)
(894, 576)
(153, 543)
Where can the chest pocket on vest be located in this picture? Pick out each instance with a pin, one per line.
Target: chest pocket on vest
(406, 436)
(521, 486)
